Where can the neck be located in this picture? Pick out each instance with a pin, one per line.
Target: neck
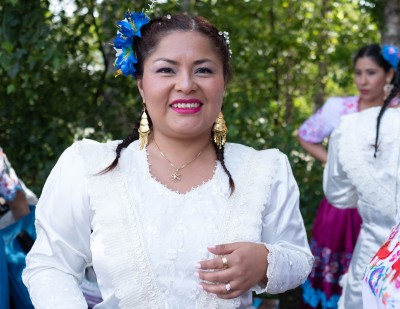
(180, 151)
(367, 104)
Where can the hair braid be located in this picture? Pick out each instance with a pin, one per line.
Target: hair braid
(221, 158)
(125, 143)
(395, 90)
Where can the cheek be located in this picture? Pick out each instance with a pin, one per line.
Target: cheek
(379, 83)
(217, 89)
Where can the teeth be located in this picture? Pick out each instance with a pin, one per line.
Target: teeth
(186, 105)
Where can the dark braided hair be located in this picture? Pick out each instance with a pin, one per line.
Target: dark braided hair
(220, 157)
(393, 93)
(151, 34)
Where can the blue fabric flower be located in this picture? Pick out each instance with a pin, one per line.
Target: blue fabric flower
(391, 54)
(132, 23)
(125, 62)
(122, 41)
(127, 30)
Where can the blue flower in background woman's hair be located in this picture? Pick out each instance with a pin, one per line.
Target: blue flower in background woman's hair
(391, 54)
(127, 30)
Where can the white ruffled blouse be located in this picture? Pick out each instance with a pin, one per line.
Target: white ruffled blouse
(145, 240)
(354, 178)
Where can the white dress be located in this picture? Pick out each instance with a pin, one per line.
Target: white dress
(144, 240)
(354, 178)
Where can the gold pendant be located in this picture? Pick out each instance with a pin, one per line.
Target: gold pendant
(176, 176)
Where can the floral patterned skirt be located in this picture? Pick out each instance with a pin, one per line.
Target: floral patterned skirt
(334, 235)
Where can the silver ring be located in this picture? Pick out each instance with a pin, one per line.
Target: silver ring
(228, 288)
(224, 262)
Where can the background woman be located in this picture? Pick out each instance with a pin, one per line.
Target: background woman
(335, 231)
(16, 235)
(363, 171)
(178, 219)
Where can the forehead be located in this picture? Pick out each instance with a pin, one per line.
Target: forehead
(185, 44)
(366, 63)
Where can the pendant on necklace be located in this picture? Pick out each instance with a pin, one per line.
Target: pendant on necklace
(176, 176)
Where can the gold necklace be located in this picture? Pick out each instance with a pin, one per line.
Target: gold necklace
(176, 176)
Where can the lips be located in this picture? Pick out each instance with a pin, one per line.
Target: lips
(186, 103)
(186, 106)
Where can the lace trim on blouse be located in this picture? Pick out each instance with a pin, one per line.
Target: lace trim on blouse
(355, 143)
(123, 239)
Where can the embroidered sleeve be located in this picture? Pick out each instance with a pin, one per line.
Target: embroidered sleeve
(284, 235)
(56, 261)
(321, 124)
(9, 182)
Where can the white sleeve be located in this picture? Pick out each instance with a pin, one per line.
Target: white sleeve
(337, 187)
(289, 259)
(56, 262)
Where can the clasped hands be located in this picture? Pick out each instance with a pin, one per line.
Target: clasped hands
(236, 268)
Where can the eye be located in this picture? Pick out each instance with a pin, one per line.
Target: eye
(204, 70)
(165, 70)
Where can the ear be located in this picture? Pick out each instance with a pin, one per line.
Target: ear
(139, 84)
(389, 75)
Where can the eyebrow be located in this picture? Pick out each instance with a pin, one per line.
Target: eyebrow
(197, 62)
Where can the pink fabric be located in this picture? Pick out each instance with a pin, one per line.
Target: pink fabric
(321, 124)
(334, 234)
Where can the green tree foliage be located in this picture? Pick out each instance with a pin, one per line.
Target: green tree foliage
(58, 85)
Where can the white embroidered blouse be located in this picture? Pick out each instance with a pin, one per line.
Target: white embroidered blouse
(144, 240)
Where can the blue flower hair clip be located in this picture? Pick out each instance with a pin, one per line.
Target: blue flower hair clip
(128, 28)
(391, 54)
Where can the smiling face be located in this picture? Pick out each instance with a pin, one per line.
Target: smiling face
(370, 78)
(183, 85)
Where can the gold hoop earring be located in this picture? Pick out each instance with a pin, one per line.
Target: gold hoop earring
(144, 129)
(220, 130)
(387, 89)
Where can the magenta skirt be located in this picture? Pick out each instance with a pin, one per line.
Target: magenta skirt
(333, 238)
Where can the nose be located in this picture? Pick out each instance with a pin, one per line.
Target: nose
(185, 83)
(363, 79)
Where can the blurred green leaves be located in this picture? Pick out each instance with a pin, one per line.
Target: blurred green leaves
(58, 84)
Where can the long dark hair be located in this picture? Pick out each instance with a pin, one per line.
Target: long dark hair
(151, 34)
(393, 93)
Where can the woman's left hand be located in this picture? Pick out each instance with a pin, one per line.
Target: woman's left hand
(238, 267)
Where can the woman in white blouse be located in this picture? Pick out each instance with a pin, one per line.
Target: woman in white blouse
(179, 219)
(363, 171)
